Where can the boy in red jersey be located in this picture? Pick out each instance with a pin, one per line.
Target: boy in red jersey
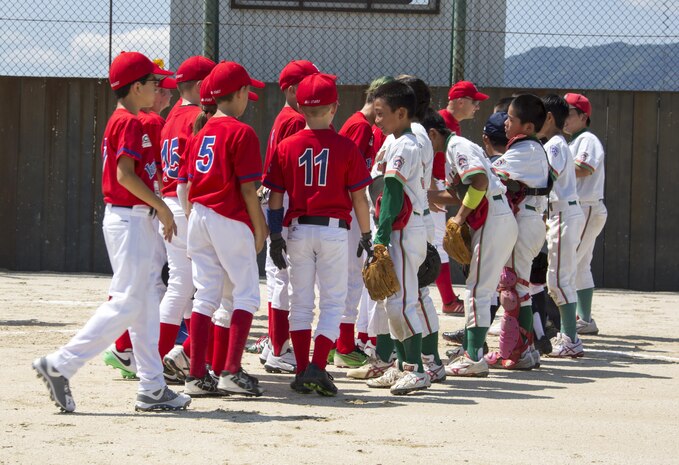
(226, 231)
(127, 185)
(277, 356)
(176, 302)
(318, 169)
(463, 103)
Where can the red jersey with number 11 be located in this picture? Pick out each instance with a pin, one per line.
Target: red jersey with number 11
(226, 154)
(317, 168)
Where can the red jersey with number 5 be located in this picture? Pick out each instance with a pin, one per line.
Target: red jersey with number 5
(358, 129)
(177, 129)
(317, 168)
(124, 137)
(226, 154)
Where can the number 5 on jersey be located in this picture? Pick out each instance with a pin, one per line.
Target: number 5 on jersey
(308, 161)
(205, 155)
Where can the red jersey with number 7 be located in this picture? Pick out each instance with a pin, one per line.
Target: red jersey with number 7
(176, 131)
(124, 137)
(318, 169)
(226, 154)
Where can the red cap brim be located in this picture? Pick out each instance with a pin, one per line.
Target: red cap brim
(480, 97)
(160, 72)
(168, 83)
(252, 96)
(256, 83)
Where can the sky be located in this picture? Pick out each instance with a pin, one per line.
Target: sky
(59, 38)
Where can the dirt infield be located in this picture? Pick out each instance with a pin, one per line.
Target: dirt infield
(619, 405)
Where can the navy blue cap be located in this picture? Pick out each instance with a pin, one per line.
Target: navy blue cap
(495, 126)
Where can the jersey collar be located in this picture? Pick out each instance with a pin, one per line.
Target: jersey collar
(579, 133)
(521, 137)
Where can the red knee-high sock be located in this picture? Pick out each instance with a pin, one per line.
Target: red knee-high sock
(301, 342)
(445, 285)
(187, 346)
(346, 342)
(221, 346)
(124, 342)
(241, 321)
(322, 346)
(210, 343)
(200, 329)
(363, 337)
(281, 330)
(187, 323)
(373, 341)
(271, 322)
(168, 334)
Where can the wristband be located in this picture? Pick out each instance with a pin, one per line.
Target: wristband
(473, 198)
(275, 220)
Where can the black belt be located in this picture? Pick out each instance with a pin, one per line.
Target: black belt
(123, 206)
(497, 197)
(321, 221)
(538, 190)
(572, 202)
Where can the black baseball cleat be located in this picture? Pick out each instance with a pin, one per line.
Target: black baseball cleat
(297, 385)
(455, 337)
(319, 380)
(543, 345)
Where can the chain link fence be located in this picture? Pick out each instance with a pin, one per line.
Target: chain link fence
(608, 44)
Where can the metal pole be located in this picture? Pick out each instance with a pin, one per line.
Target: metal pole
(211, 30)
(459, 29)
(110, 32)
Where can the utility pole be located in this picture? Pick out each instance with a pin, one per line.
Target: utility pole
(458, 40)
(211, 30)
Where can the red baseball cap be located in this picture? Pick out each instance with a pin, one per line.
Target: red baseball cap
(295, 71)
(229, 76)
(463, 89)
(131, 66)
(580, 102)
(194, 68)
(206, 97)
(168, 83)
(316, 90)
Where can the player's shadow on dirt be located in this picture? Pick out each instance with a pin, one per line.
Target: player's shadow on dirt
(221, 413)
(31, 322)
(629, 339)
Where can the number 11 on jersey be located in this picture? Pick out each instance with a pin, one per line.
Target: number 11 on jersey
(308, 161)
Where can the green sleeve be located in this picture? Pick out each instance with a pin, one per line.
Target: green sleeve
(392, 201)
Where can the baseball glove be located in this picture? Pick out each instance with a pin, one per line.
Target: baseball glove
(430, 267)
(379, 275)
(457, 242)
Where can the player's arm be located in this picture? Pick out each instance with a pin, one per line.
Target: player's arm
(130, 181)
(586, 165)
(249, 192)
(392, 202)
(362, 210)
(581, 172)
(473, 197)
(444, 197)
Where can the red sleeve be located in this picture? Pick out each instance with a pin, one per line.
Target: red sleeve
(439, 170)
(358, 175)
(293, 127)
(360, 134)
(183, 175)
(379, 138)
(129, 142)
(273, 179)
(154, 133)
(247, 159)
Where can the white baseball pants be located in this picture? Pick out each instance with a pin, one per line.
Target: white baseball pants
(224, 262)
(317, 254)
(130, 237)
(531, 238)
(355, 279)
(563, 236)
(595, 219)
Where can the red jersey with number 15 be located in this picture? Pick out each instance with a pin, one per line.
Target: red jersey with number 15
(124, 137)
(358, 129)
(317, 168)
(288, 122)
(173, 143)
(227, 155)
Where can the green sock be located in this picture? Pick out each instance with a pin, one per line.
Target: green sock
(526, 318)
(413, 351)
(585, 303)
(567, 313)
(430, 346)
(400, 353)
(385, 346)
(475, 339)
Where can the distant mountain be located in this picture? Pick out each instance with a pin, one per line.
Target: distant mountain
(612, 66)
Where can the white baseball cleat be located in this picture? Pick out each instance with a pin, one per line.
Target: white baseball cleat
(177, 362)
(466, 367)
(285, 363)
(57, 384)
(563, 346)
(411, 380)
(387, 380)
(373, 369)
(266, 350)
(586, 327)
(436, 371)
(162, 399)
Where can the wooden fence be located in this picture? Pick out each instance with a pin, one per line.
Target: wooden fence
(51, 207)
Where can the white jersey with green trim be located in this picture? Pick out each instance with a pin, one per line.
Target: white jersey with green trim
(427, 154)
(404, 162)
(465, 158)
(588, 153)
(563, 167)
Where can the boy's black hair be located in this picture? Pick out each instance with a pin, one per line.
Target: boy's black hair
(422, 94)
(530, 109)
(503, 104)
(397, 95)
(433, 120)
(558, 107)
(580, 112)
(122, 92)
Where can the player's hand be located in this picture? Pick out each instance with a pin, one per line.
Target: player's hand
(277, 251)
(166, 218)
(365, 243)
(458, 219)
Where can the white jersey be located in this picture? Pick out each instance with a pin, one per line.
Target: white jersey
(526, 162)
(465, 158)
(588, 153)
(563, 168)
(427, 154)
(403, 162)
